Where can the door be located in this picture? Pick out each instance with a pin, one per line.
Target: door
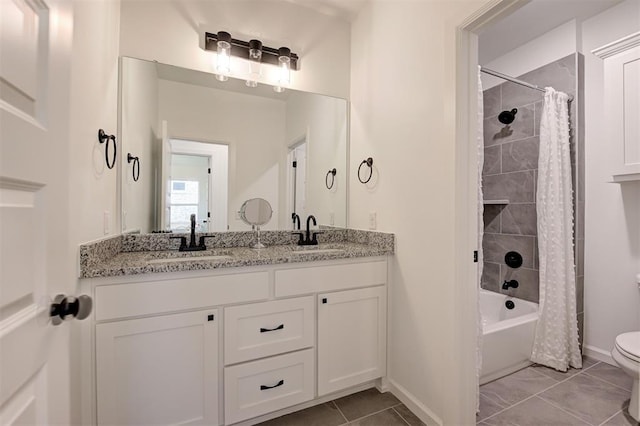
(189, 191)
(158, 370)
(351, 338)
(297, 160)
(35, 257)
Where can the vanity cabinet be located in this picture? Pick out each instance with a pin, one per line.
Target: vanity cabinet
(352, 329)
(158, 370)
(226, 346)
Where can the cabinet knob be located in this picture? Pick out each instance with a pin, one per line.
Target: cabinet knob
(324, 300)
(64, 306)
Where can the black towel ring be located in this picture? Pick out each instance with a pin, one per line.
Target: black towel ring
(331, 173)
(102, 138)
(136, 166)
(368, 162)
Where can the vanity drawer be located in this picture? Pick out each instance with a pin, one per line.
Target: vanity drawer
(318, 279)
(154, 297)
(264, 329)
(259, 387)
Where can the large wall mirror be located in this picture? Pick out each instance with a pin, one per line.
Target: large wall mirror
(205, 147)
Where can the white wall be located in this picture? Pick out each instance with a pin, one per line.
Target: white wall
(252, 126)
(612, 222)
(402, 114)
(94, 105)
(140, 137)
(549, 47)
(323, 120)
(169, 32)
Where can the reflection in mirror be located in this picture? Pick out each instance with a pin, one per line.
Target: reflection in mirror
(212, 145)
(256, 212)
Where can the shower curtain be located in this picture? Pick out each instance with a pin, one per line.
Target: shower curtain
(556, 339)
(480, 147)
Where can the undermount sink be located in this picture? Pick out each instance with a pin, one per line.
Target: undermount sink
(173, 256)
(304, 250)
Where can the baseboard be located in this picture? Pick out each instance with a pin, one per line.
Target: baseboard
(419, 409)
(599, 354)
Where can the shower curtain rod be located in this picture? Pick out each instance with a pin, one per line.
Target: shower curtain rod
(515, 80)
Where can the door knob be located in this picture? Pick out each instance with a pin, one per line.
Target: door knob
(64, 306)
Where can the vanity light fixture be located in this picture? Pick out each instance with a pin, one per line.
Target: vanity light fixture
(255, 62)
(253, 52)
(223, 59)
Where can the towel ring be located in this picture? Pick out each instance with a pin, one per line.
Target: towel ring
(102, 138)
(136, 166)
(331, 173)
(368, 162)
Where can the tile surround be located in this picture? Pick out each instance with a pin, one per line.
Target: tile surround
(510, 172)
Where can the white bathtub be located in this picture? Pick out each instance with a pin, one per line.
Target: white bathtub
(507, 338)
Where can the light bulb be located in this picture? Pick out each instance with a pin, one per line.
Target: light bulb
(255, 66)
(284, 71)
(223, 59)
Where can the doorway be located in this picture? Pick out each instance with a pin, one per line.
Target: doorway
(297, 178)
(196, 182)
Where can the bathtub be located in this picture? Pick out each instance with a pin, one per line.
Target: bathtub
(507, 337)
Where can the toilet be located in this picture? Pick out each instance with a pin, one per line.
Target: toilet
(626, 353)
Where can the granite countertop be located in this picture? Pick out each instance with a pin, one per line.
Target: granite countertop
(141, 254)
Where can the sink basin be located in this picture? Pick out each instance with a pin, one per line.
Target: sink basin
(184, 256)
(188, 259)
(317, 251)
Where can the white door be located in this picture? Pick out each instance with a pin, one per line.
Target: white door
(158, 370)
(351, 338)
(35, 257)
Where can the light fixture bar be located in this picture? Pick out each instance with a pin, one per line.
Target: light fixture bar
(240, 48)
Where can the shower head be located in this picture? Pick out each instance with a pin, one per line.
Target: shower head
(507, 117)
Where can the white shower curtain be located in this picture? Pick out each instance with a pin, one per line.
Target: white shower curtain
(480, 146)
(556, 340)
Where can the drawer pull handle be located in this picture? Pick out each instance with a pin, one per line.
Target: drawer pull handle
(280, 383)
(266, 330)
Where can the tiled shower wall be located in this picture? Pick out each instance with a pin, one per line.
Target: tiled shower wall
(510, 173)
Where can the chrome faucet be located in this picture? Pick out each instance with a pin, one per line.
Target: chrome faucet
(192, 240)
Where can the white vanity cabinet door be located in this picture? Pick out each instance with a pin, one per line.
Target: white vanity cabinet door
(352, 329)
(159, 370)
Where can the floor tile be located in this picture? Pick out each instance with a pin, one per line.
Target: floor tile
(534, 412)
(587, 363)
(516, 387)
(611, 374)
(320, 415)
(622, 419)
(555, 374)
(384, 418)
(408, 416)
(488, 407)
(588, 398)
(364, 403)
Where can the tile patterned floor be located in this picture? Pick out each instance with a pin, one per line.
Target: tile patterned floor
(598, 394)
(366, 408)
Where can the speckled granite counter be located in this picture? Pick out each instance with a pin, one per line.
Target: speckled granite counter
(140, 254)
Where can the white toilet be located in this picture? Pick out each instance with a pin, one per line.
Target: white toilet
(626, 353)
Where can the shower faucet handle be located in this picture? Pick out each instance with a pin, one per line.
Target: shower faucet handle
(510, 284)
